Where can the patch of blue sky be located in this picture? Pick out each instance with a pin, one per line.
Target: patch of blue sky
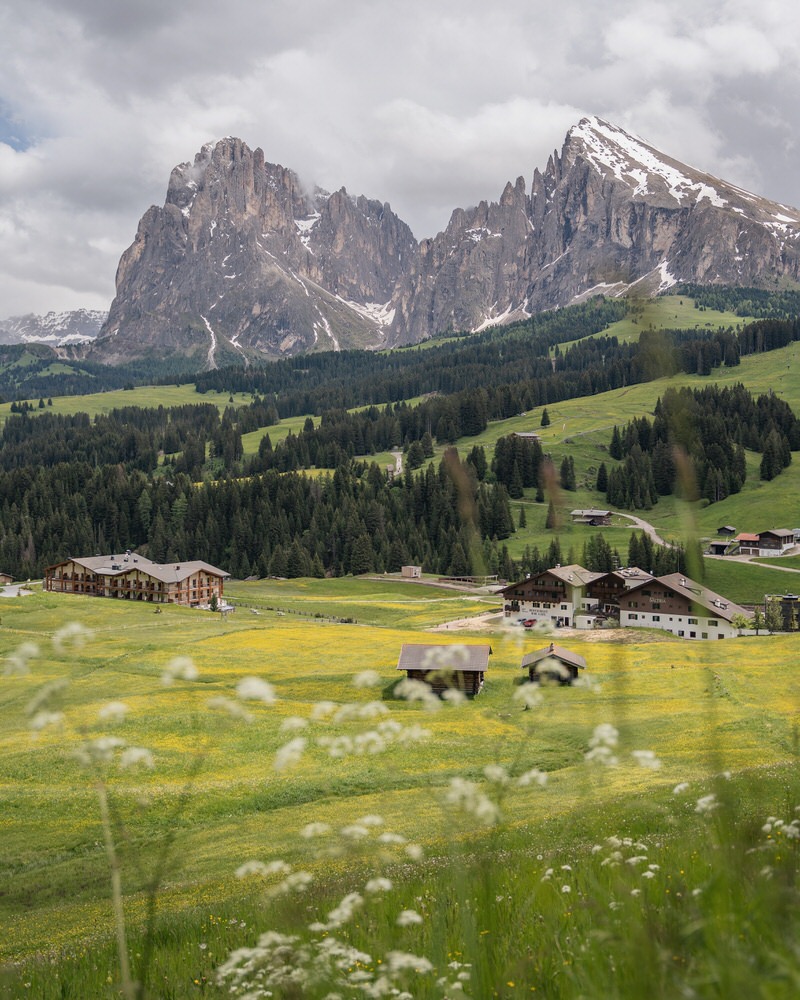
(12, 130)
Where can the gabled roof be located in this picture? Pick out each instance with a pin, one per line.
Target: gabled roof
(590, 512)
(163, 572)
(746, 536)
(575, 574)
(444, 656)
(778, 532)
(554, 652)
(630, 576)
(720, 607)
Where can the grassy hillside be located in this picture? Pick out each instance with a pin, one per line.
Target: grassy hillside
(214, 798)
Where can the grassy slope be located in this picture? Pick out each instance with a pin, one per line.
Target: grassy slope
(660, 694)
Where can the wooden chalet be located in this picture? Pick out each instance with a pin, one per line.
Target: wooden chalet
(553, 663)
(605, 590)
(678, 605)
(726, 529)
(555, 595)
(133, 577)
(590, 516)
(748, 544)
(458, 666)
(775, 541)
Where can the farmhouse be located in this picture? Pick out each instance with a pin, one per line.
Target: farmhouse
(455, 666)
(556, 595)
(748, 544)
(678, 605)
(775, 542)
(135, 578)
(591, 516)
(553, 663)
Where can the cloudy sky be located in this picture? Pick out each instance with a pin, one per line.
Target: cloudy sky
(427, 104)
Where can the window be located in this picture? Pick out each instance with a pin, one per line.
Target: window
(563, 607)
(656, 605)
(633, 617)
(693, 621)
(656, 618)
(704, 635)
(712, 623)
(693, 635)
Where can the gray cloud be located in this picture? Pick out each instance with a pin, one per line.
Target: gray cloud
(428, 106)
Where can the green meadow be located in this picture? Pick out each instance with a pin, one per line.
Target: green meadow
(470, 838)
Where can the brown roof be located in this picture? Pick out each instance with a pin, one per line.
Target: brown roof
(720, 607)
(454, 656)
(554, 652)
(165, 573)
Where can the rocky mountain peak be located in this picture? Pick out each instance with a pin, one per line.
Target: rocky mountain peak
(243, 261)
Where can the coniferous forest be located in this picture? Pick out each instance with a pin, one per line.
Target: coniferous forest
(174, 481)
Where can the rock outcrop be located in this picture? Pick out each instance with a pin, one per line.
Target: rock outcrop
(243, 262)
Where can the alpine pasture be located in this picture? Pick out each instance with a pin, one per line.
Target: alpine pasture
(517, 810)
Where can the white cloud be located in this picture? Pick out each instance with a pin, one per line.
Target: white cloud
(427, 106)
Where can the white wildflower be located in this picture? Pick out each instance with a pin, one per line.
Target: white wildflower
(233, 708)
(407, 918)
(391, 838)
(311, 830)
(114, 711)
(369, 742)
(646, 758)
(706, 804)
(414, 851)
(529, 695)
(294, 724)
(533, 777)
(136, 757)
(454, 696)
(17, 662)
(256, 689)
(468, 796)
(497, 774)
(73, 635)
(180, 668)
(44, 719)
(680, 788)
(322, 710)
(602, 743)
(360, 711)
(378, 884)
(400, 961)
(648, 874)
(354, 831)
(367, 679)
(566, 888)
(289, 754)
(371, 819)
(413, 690)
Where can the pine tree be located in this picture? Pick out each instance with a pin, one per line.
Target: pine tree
(545, 421)
(523, 521)
(602, 478)
(551, 521)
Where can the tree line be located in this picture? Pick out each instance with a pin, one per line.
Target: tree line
(354, 520)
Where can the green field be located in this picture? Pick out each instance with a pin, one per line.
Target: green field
(215, 800)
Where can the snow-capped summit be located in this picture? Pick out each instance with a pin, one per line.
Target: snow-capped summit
(244, 261)
(55, 329)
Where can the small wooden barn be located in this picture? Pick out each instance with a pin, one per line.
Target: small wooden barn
(553, 663)
(454, 665)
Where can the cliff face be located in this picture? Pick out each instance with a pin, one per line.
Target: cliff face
(608, 214)
(243, 262)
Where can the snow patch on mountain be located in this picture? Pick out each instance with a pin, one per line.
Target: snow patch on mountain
(633, 161)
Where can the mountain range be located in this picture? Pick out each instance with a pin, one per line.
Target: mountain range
(242, 261)
(56, 329)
